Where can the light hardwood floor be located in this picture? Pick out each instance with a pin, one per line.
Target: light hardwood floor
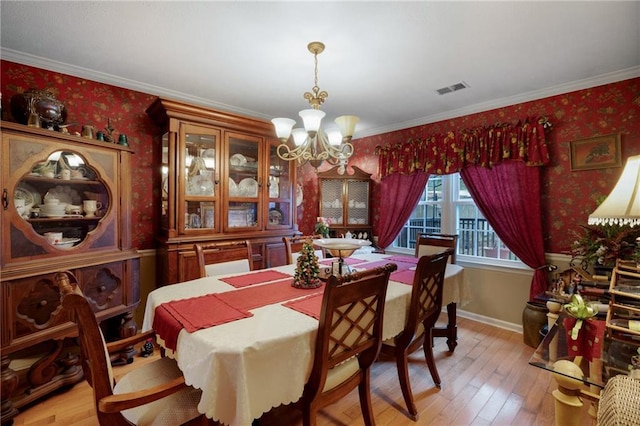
(486, 381)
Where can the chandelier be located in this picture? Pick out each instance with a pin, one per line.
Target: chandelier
(313, 144)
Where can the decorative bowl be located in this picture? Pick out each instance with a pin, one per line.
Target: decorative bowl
(341, 247)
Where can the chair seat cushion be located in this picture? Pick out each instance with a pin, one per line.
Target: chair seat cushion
(175, 409)
(340, 373)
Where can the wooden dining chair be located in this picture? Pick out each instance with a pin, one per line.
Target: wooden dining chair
(348, 341)
(293, 245)
(424, 309)
(431, 243)
(226, 257)
(154, 393)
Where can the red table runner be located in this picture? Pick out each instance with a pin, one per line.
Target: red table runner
(405, 276)
(405, 259)
(310, 305)
(257, 296)
(193, 314)
(245, 280)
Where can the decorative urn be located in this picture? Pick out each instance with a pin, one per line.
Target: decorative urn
(40, 103)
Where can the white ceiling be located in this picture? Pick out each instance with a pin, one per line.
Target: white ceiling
(383, 61)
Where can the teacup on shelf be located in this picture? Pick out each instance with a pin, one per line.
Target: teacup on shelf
(91, 207)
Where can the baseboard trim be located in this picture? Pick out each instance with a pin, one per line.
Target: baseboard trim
(490, 321)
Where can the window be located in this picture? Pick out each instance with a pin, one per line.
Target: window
(447, 207)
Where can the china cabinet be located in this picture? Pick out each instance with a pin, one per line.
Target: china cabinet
(65, 206)
(221, 179)
(345, 199)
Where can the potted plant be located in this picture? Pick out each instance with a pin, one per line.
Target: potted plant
(599, 246)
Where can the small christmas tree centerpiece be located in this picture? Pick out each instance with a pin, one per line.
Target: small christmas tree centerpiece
(307, 268)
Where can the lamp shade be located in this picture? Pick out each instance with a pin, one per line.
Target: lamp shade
(299, 136)
(347, 125)
(283, 127)
(622, 205)
(311, 119)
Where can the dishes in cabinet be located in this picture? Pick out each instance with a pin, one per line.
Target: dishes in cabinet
(66, 243)
(209, 153)
(199, 185)
(233, 188)
(248, 187)
(27, 193)
(274, 187)
(237, 160)
(65, 194)
(275, 216)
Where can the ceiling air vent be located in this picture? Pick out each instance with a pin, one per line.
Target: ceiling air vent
(452, 88)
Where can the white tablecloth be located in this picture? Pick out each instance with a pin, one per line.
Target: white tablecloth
(247, 367)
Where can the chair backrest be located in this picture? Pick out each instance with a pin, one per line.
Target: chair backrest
(428, 244)
(426, 295)
(93, 350)
(350, 323)
(293, 245)
(225, 257)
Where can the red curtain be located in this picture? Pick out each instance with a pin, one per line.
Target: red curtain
(509, 197)
(399, 196)
(493, 162)
(483, 146)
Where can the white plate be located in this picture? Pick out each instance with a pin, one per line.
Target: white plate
(248, 187)
(233, 188)
(209, 153)
(67, 243)
(237, 160)
(275, 216)
(299, 195)
(30, 196)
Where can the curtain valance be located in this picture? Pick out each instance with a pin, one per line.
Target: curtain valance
(484, 146)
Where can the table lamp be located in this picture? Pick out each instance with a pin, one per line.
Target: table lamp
(622, 205)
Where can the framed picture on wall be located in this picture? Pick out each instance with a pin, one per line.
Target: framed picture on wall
(598, 152)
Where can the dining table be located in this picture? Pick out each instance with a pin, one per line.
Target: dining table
(247, 340)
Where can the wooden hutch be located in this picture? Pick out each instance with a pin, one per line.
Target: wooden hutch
(56, 173)
(220, 179)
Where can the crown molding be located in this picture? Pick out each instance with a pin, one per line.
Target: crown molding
(80, 72)
(586, 83)
(100, 77)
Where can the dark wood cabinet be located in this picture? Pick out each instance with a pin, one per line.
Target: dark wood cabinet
(345, 199)
(40, 200)
(220, 179)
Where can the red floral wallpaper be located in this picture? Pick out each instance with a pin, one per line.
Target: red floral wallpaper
(569, 197)
(89, 102)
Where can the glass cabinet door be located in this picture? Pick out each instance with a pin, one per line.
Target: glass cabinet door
(244, 181)
(280, 211)
(200, 177)
(358, 203)
(331, 202)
